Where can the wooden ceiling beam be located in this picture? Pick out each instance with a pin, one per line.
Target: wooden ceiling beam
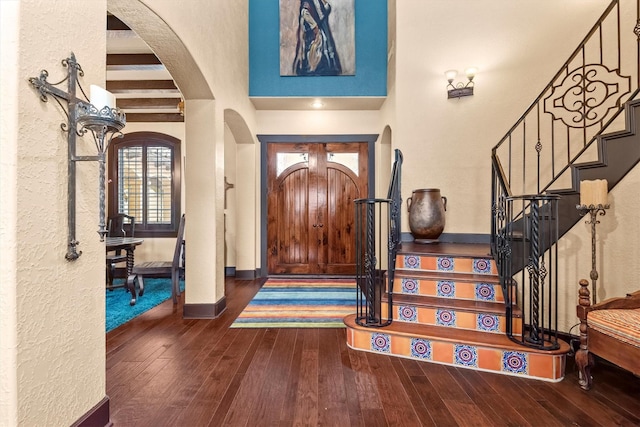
(154, 117)
(137, 103)
(120, 86)
(114, 24)
(132, 59)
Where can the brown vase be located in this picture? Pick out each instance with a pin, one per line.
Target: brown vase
(426, 214)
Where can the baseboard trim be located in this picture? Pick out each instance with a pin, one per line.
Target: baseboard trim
(97, 416)
(454, 238)
(246, 274)
(204, 311)
(229, 271)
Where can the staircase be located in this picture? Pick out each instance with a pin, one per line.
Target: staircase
(448, 308)
(495, 307)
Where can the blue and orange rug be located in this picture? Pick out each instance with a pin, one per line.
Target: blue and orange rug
(299, 304)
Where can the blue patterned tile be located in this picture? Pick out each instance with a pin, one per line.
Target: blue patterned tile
(445, 317)
(488, 322)
(446, 289)
(412, 261)
(381, 343)
(515, 362)
(465, 355)
(420, 348)
(445, 263)
(407, 313)
(409, 286)
(482, 266)
(485, 292)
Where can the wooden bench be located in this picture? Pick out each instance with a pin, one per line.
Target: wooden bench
(610, 330)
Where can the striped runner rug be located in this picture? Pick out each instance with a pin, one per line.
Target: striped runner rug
(287, 303)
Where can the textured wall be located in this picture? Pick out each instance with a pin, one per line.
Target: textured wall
(58, 308)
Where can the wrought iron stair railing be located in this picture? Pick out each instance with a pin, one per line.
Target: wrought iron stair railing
(535, 162)
(377, 235)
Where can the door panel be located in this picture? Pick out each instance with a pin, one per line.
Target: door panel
(310, 209)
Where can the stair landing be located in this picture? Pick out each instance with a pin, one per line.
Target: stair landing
(448, 308)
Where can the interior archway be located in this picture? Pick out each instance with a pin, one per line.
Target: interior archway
(203, 207)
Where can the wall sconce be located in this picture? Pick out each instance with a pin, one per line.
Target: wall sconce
(460, 89)
(100, 116)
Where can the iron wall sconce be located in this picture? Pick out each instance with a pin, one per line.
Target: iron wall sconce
(460, 89)
(104, 122)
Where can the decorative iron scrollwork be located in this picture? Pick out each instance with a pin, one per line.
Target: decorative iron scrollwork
(586, 94)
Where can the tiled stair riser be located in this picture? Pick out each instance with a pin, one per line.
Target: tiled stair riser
(476, 291)
(451, 318)
(518, 363)
(447, 264)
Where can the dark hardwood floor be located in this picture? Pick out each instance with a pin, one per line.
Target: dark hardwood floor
(163, 370)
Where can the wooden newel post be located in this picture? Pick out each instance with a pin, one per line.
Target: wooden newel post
(584, 359)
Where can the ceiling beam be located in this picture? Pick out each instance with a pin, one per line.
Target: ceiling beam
(155, 117)
(122, 86)
(138, 103)
(114, 24)
(132, 59)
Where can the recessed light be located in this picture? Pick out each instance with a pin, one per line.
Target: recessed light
(317, 104)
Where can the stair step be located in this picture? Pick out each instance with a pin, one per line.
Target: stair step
(448, 285)
(460, 348)
(451, 313)
(445, 263)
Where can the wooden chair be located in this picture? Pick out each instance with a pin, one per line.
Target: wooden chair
(609, 329)
(174, 268)
(121, 225)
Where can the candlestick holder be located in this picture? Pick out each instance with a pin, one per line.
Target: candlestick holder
(593, 211)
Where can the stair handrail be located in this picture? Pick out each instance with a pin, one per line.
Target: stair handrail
(371, 214)
(572, 112)
(589, 72)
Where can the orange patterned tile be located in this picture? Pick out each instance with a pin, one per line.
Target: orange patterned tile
(362, 340)
(490, 359)
(542, 366)
(463, 265)
(428, 287)
(465, 290)
(401, 346)
(442, 352)
(427, 316)
(466, 320)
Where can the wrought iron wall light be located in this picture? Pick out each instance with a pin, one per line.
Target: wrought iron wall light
(460, 89)
(100, 116)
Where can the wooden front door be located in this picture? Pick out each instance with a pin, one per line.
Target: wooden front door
(310, 211)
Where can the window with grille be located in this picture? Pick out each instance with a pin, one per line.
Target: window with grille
(144, 182)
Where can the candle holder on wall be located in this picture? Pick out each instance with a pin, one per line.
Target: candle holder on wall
(103, 120)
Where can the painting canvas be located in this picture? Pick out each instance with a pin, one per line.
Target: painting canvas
(317, 38)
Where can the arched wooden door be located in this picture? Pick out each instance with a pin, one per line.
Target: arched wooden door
(310, 211)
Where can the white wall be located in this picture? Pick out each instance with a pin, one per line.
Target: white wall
(231, 211)
(53, 346)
